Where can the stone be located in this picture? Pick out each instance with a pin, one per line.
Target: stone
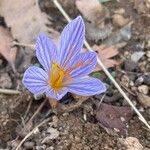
(5, 81)
(144, 100)
(119, 20)
(143, 89)
(29, 145)
(119, 11)
(131, 143)
(136, 56)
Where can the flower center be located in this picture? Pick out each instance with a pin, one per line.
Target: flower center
(57, 76)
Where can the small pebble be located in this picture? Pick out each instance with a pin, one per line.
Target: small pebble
(77, 138)
(55, 121)
(119, 20)
(148, 54)
(5, 81)
(120, 11)
(136, 56)
(53, 134)
(139, 80)
(147, 80)
(50, 148)
(131, 83)
(144, 100)
(141, 109)
(143, 89)
(130, 65)
(131, 143)
(29, 145)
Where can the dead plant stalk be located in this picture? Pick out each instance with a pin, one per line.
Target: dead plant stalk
(63, 12)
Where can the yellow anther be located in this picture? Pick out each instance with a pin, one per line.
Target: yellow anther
(57, 76)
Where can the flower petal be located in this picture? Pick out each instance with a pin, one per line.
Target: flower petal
(82, 65)
(35, 80)
(56, 94)
(86, 86)
(45, 51)
(71, 40)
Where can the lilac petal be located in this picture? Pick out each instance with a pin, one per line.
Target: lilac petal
(35, 80)
(56, 94)
(86, 86)
(71, 40)
(45, 51)
(83, 64)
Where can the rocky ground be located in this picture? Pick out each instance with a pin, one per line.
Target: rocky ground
(125, 24)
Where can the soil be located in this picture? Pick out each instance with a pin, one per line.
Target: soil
(79, 129)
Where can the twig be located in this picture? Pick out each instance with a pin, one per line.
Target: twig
(32, 46)
(127, 89)
(38, 110)
(8, 91)
(28, 108)
(101, 100)
(30, 133)
(29, 123)
(58, 5)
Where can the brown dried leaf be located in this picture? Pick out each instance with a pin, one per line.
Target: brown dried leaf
(92, 10)
(106, 54)
(24, 18)
(114, 117)
(6, 49)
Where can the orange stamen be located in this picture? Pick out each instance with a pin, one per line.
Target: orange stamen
(80, 64)
(58, 74)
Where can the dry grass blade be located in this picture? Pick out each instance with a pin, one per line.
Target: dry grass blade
(8, 91)
(105, 70)
(30, 133)
(32, 46)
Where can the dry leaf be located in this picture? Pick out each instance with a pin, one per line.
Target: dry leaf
(92, 10)
(105, 54)
(6, 49)
(26, 21)
(24, 18)
(114, 117)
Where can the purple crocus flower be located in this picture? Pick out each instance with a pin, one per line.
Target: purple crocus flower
(66, 69)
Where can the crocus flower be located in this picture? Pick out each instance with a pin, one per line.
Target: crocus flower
(65, 68)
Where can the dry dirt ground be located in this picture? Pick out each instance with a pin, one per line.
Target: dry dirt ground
(79, 129)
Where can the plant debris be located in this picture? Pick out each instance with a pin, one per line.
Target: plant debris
(114, 117)
(26, 17)
(105, 54)
(94, 11)
(6, 49)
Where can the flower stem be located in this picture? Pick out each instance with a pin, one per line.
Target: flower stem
(53, 102)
